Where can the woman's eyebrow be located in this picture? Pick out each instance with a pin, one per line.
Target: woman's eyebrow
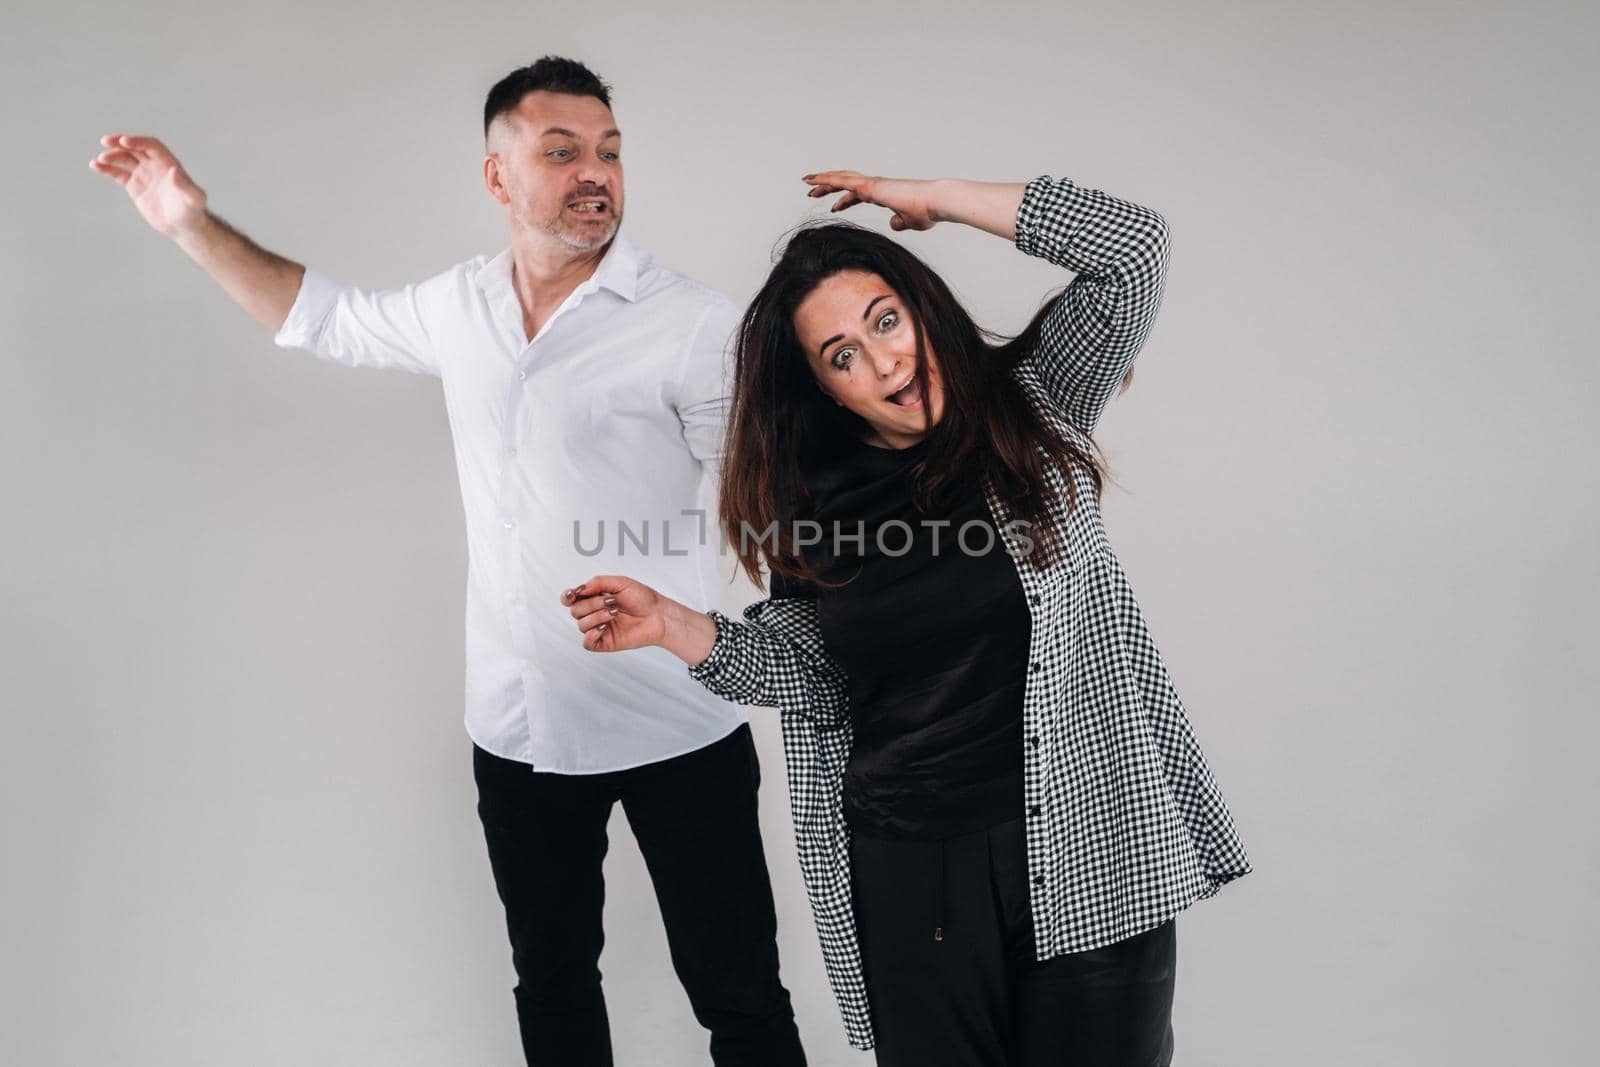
(823, 347)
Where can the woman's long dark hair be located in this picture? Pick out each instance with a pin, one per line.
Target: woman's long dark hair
(779, 415)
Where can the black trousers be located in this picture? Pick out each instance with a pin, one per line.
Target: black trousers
(947, 946)
(694, 817)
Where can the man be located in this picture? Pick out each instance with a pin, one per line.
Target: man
(585, 387)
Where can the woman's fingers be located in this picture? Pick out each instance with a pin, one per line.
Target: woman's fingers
(852, 196)
(597, 605)
(589, 605)
(594, 620)
(857, 189)
(599, 639)
(844, 179)
(826, 190)
(599, 585)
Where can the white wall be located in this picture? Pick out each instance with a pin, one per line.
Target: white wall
(1355, 495)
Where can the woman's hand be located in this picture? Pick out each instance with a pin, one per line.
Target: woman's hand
(616, 613)
(919, 203)
(911, 200)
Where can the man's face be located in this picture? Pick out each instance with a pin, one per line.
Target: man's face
(555, 162)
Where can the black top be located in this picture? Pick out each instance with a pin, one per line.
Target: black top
(933, 634)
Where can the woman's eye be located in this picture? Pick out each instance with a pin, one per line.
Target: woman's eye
(888, 322)
(842, 358)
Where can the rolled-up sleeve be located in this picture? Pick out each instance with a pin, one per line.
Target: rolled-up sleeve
(364, 327)
(705, 383)
(775, 659)
(1094, 331)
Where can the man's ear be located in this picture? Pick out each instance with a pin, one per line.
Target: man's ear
(491, 178)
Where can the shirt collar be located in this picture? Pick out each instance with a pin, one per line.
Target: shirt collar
(618, 271)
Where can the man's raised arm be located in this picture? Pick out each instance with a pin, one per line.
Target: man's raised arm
(263, 283)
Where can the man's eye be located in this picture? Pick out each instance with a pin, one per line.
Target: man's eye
(559, 152)
(609, 156)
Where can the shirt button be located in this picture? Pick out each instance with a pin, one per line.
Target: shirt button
(1033, 668)
(509, 524)
(1034, 811)
(1038, 879)
(1033, 740)
(522, 375)
(1034, 599)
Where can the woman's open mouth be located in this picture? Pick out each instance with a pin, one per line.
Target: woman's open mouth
(908, 395)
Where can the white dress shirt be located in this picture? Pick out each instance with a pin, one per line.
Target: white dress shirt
(613, 412)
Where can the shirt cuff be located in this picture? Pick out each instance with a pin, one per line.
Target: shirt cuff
(709, 669)
(316, 298)
(1035, 208)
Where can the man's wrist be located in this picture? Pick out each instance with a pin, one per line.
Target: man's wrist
(198, 235)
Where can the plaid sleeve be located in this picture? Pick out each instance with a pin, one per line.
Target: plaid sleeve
(1095, 329)
(775, 659)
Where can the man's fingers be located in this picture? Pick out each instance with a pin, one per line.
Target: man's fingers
(146, 148)
(847, 200)
(122, 177)
(138, 143)
(119, 158)
(113, 165)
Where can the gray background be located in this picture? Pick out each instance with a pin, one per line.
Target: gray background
(1355, 493)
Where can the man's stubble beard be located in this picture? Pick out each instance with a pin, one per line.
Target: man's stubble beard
(575, 240)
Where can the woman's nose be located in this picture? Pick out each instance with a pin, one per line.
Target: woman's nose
(885, 363)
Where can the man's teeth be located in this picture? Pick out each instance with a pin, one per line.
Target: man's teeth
(589, 206)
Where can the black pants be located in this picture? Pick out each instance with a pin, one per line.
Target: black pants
(694, 817)
(947, 947)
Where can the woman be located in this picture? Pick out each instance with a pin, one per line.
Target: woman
(998, 800)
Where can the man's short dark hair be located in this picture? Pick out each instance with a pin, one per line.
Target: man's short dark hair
(554, 74)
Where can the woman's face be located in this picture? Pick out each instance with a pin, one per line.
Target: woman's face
(862, 348)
